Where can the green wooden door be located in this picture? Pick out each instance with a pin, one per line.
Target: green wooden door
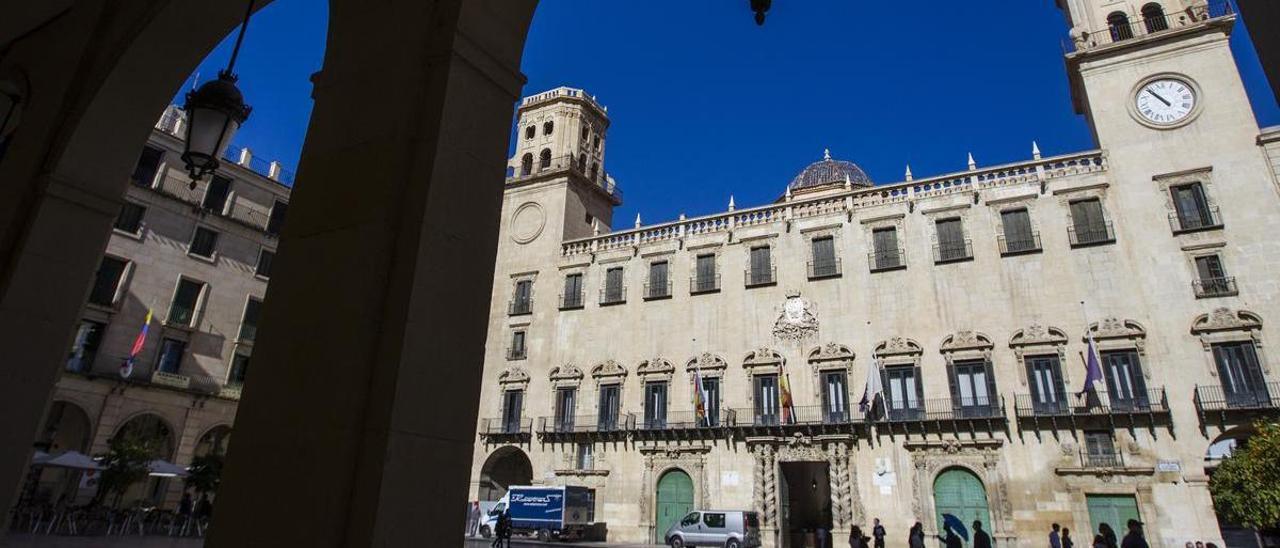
(1114, 510)
(960, 493)
(675, 500)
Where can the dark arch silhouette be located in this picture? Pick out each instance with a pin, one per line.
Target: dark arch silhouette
(504, 468)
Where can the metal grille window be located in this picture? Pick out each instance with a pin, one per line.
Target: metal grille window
(512, 407)
(886, 252)
(1100, 450)
(275, 222)
(203, 243)
(130, 218)
(144, 172)
(658, 281)
(215, 196)
(249, 324)
(265, 258)
(951, 242)
(1018, 236)
(1192, 207)
(106, 284)
(705, 274)
(521, 300)
(566, 404)
(1088, 224)
(171, 351)
(572, 291)
(824, 257)
(185, 300)
(655, 405)
(761, 266)
(610, 403)
(85, 347)
(613, 285)
(1213, 280)
(1153, 16)
(766, 399)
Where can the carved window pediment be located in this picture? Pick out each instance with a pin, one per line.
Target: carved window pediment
(706, 362)
(567, 373)
(513, 375)
(831, 356)
(608, 369)
(898, 346)
(1115, 333)
(967, 340)
(1038, 334)
(1225, 319)
(762, 357)
(655, 366)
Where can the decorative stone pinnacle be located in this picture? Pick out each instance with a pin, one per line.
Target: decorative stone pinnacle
(788, 193)
(1035, 150)
(848, 184)
(637, 220)
(826, 154)
(730, 202)
(909, 172)
(682, 216)
(972, 165)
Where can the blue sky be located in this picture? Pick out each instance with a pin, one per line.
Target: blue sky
(705, 104)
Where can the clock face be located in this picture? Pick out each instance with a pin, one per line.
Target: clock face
(1165, 101)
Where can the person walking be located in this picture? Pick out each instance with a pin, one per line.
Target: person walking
(915, 537)
(857, 539)
(878, 533)
(1134, 538)
(1099, 541)
(1055, 539)
(951, 540)
(980, 538)
(1108, 534)
(1066, 538)
(502, 531)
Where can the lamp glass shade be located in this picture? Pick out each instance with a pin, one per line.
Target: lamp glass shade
(214, 114)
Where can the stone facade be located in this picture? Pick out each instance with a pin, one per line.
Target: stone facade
(195, 395)
(1010, 269)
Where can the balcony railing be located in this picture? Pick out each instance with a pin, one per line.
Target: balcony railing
(506, 426)
(802, 415)
(1264, 397)
(1154, 25)
(567, 164)
(585, 424)
(1101, 460)
(517, 352)
(755, 277)
(824, 269)
(1208, 218)
(1092, 403)
(613, 295)
(952, 252)
(1215, 287)
(1086, 234)
(704, 284)
(572, 300)
(660, 290)
(943, 409)
(519, 307)
(1020, 244)
(890, 259)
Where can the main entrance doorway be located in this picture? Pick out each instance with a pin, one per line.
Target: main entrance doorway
(675, 500)
(960, 493)
(1113, 510)
(804, 489)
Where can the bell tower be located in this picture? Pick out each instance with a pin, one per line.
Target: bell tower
(558, 129)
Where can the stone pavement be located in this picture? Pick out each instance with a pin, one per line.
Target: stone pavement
(521, 543)
(59, 541)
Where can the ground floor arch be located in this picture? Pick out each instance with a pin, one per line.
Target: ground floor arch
(504, 468)
(673, 498)
(960, 493)
(66, 428)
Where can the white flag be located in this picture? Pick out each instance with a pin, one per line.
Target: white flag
(875, 387)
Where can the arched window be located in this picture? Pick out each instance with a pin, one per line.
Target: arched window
(596, 144)
(582, 162)
(526, 164)
(544, 159)
(548, 127)
(1118, 22)
(585, 133)
(1153, 16)
(530, 131)
(594, 168)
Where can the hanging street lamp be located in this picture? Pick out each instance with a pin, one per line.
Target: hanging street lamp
(214, 112)
(760, 7)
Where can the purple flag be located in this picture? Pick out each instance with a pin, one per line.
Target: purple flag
(1092, 369)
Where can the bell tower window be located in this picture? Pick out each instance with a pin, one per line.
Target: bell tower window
(548, 127)
(1153, 18)
(1118, 23)
(526, 164)
(544, 159)
(529, 132)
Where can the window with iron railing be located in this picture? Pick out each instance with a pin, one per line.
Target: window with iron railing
(1192, 210)
(761, 271)
(655, 405)
(1212, 278)
(512, 409)
(1088, 224)
(522, 298)
(517, 350)
(1018, 236)
(705, 278)
(886, 255)
(1153, 18)
(572, 297)
(609, 407)
(824, 263)
(614, 291)
(1100, 451)
(952, 245)
(659, 285)
(566, 405)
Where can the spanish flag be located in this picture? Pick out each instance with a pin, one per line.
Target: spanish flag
(788, 408)
(699, 400)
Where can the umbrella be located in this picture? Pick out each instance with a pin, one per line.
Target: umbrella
(165, 469)
(72, 459)
(950, 520)
(39, 457)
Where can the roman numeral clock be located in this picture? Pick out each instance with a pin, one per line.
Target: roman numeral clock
(1165, 102)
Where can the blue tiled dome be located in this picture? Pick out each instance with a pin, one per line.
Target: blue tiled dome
(827, 171)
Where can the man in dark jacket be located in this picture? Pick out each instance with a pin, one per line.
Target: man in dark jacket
(951, 540)
(980, 538)
(1134, 538)
(879, 533)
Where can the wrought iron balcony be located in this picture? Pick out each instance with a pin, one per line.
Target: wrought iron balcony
(1087, 234)
(585, 424)
(520, 306)
(613, 295)
(1095, 408)
(655, 291)
(953, 252)
(803, 415)
(1124, 31)
(1263, 397)
(572, 300)
(517, 352)
(1020, 244)
(506, 427)
(971, 411)
(825, 269)
(889, 259)
(1215, 287)
(1207, 218)
(1101, 460)
(704, 284)
(756, 277)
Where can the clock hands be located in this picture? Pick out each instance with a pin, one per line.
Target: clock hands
(1162, 99)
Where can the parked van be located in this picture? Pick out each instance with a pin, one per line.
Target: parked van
(728, 528)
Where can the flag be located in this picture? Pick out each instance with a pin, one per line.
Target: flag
(699, 399)
(126, 368)
(1092, 367)
(875, 387)
(784, 389)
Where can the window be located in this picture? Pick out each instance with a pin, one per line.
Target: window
(973, 388)
(614, 292)
(85, 347)
(522, 299)
(659, 286)
(705, 278)
(586, 132)
(1126, 386)
(595, 143)
(952, 245)
(655, 405)
(714, 520)
(530, 132)
(106, 283)
(185, 299)
(595, 168)
(566, 399)
(1018, 236)
(249, 323)
(1240, 375)
(203, 243)
(572, 292)
(1153, 16)
(583, 460)
(835, 397)
(761, 272)
(144, 172)
(610, 401)
(265, 258)
(512, 406)
(548, 127)
(275, 223)
(824, 263)
(905, 393)
(691, 519)
(517, 350)
(215, 196)
(765, 389)
(582, 161)
(544, 159)
(711, 400)
(1044, 376)
(1213, 280)
(886, 254)
(1100, 450)
(1192, 208)
(171, 351)
(1088, 225)
(1118, 23)
(130, 218)
(589, 219)
(239, 369)
(526, 164)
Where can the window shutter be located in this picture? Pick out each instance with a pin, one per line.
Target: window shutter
(955, 386)
(950, 234)
(824, 252)
(993, 398)
(1017, 226)
(1135, 371)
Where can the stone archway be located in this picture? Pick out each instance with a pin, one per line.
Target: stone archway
(960, 493)
(673, 499)
(158, 436)
(66, 428)
(504, 468)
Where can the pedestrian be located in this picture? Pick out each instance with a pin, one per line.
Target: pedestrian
(951, 540)
(1199, 544)
(1055, 540)
(1134, 538)
(915, 538)
(507, 528)
(184, 505)
(1190, 544)
(204, 508)
(473, 519)
(1066, 538)
(1108, 534)
(857, 539)
(878, 532)
(821, 536)
(500, 530)
(1099, 541)
(1210, 545)
(980, 538)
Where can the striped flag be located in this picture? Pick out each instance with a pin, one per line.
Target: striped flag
(1092, 367)
(784, 389)
(699, 399)
(126, 368)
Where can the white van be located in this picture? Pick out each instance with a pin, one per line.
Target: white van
(728, 528)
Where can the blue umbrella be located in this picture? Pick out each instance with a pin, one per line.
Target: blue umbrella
(949, 520)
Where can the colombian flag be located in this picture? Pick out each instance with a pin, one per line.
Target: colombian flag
(126, 368)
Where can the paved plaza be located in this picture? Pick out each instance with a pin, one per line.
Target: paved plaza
(55, 541)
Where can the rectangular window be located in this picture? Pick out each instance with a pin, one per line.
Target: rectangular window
(215, 196)
(249, 323)
(522, 299)
(512, 407)
(835, 397)
(517, 351)
(705, 278)
(766, 399)
(566, 404)
(106, 283)
(711, 400)
(905, 394)
(584, 460)
(265, 258)
(239, 369)
(1242, 382)
(203, 243)
(972, 388)
(714, 520)
(130, 218)
(572, 291)
(658, 287)
(1044, 375)
(1018, 236)
(1100, 450)
(761, 266)
(613, 288)
(886, 254)
(824, 258)
(276, 220)
(655, 405)
(1213, 280)
(951, 243)
(1126, 386)
(171, 351)
(185, 300)
(85, 347)
(144, 172)
(610, 403)
(1192, 207)
(1088, 225)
